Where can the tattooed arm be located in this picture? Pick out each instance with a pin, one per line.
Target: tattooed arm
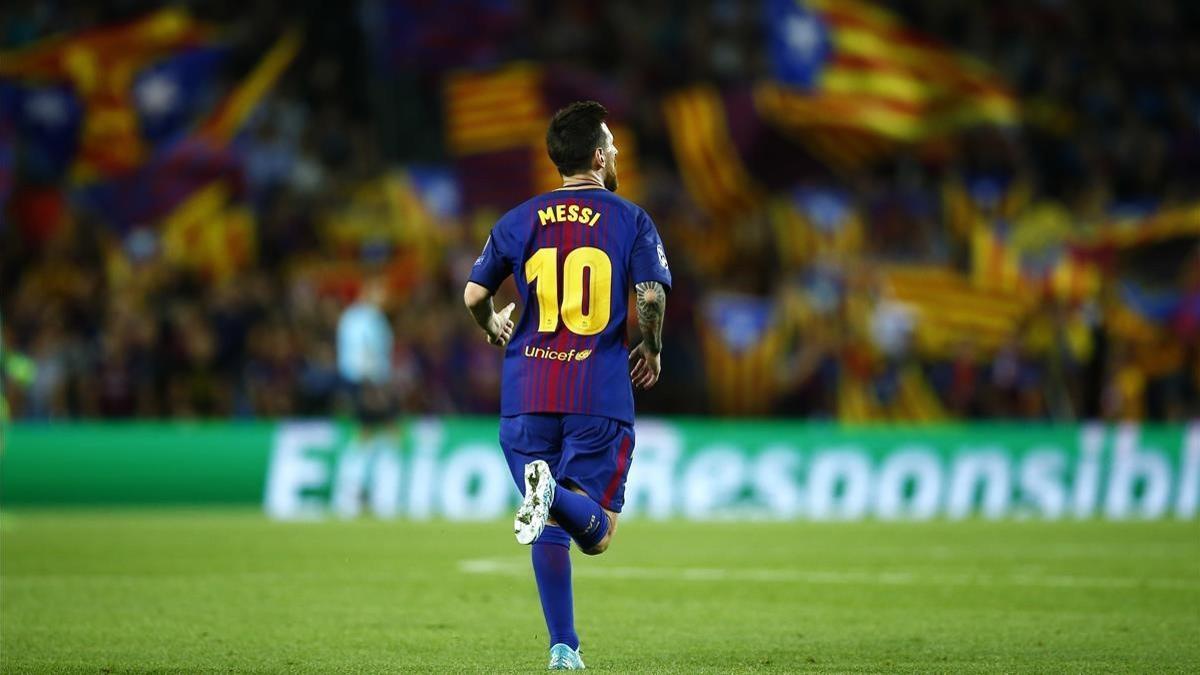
(644, 362)
(651, 303)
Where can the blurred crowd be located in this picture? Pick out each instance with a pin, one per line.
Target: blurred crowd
(116, 328)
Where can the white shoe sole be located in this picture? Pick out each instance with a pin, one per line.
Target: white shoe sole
(535, 507)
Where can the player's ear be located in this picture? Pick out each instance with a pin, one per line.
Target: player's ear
(598, 158)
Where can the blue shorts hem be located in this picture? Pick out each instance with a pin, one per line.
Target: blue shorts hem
(591, 452)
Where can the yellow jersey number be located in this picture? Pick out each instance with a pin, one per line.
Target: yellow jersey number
(542, 267)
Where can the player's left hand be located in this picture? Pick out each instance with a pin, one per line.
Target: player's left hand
(644, 366)
(500, 328)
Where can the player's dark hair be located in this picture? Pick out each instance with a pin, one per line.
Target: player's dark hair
(573, 136)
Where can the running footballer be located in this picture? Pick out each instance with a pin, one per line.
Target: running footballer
(566, 403)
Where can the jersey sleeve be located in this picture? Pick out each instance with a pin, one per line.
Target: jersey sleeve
(648, 261)
(492, 267)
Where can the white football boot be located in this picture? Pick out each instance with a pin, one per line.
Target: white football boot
(535, 507)
(562, 657)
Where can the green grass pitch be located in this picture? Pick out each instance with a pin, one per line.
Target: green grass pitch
(196, 591)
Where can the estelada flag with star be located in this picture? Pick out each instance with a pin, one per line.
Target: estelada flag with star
(97, 103)
(849, 79)
(203, 153)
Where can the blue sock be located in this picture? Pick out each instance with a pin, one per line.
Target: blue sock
(582, 518)
(552, 569)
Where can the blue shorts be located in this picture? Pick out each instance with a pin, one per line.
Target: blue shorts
(588, 451)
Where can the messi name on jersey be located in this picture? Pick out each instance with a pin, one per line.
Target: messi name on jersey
(574, 257)
(568, 213)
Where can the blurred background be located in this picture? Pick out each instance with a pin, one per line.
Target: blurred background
(915, 211)
(934, 260)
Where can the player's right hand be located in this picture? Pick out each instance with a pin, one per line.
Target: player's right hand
(644, 366)
(500, 326)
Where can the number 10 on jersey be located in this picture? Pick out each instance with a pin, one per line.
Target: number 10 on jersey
(584, 265)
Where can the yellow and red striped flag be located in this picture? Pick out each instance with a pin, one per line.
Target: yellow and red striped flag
(743, 339)
(496, 129)
(709, 159)
(851, 78)
(494, 110)
(950, 310)
(210, 233)
(816, 224)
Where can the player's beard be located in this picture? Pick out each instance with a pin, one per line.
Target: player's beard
(610, 176)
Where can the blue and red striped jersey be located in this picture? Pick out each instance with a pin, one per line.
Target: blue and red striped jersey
(575, 255)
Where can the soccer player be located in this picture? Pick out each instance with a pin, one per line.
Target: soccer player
(566, 401)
